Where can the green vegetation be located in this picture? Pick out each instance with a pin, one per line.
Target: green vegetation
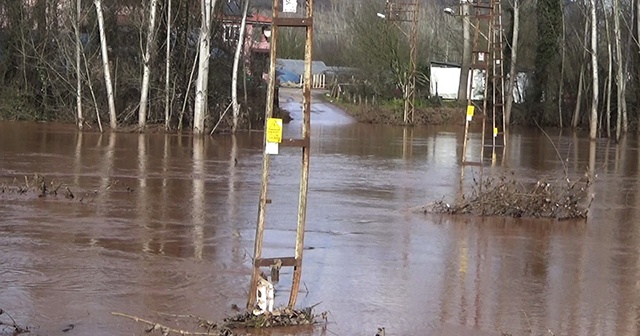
(391, 111)
(547, 61)
(18, 105)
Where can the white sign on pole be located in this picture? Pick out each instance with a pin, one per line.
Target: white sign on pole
(271, 148)
(290, 6)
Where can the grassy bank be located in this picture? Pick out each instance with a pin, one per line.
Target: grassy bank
(392, 112)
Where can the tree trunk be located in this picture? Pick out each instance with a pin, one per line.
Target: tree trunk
(593, 125)
(638, 31)
(466, 53)
(609, 79)
(514, 58)
(609, 82)
(79, 117)
(620, 80)
(105, 64)
(200, 106)
(93, 94)
(562, 62)
(167, 78)
(146, 59)
(236, 61)
(576, 111)
(626, 58)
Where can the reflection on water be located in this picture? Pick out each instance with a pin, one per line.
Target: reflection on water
(166, 221)
(198, 212)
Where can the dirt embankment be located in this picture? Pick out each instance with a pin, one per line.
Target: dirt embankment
(382, 114)
(392, 112)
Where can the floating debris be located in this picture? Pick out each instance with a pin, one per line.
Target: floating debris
(38, 186)
(505, 196)
(280, 317)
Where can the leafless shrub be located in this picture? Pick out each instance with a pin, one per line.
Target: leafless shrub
(506, 196)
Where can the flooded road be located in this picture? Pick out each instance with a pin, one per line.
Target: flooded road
(166, 224)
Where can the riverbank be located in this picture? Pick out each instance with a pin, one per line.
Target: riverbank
(325, 108)
(392, 113)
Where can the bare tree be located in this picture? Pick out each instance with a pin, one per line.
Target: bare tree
(620, 80)
(609, 79)
(80, 118)
(167, 74)
(105, 64)
(144, 94)
(576, 112)
(637, 8)
(514, 59)
(200, 105)
(593, 125)
(236, 61)
(563, 57)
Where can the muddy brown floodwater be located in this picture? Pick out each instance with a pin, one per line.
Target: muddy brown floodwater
(178, 240)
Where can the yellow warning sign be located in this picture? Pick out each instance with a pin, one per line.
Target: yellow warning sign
(274, 130)
(470, 110)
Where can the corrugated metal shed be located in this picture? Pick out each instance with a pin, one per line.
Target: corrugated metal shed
(297, 66)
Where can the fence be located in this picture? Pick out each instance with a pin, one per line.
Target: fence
(318, 81)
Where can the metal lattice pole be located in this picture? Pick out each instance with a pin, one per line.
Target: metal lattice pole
(407, 12)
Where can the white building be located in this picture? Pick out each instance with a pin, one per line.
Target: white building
(445, 80)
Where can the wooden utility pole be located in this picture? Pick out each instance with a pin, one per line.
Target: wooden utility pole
(270, 141)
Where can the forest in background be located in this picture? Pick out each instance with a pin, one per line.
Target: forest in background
(582, 58)
(571, 51)
(41, 67)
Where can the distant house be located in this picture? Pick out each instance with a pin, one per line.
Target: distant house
(258, 30)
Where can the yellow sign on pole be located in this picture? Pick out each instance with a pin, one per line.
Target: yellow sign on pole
(470, 110)
(274, 130)
(495, 132)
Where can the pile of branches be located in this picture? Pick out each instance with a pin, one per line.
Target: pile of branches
(280, 317)
(507, 197)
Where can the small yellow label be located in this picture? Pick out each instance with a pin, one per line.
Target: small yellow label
(495, 131)
(470, 110)
(274, 130)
